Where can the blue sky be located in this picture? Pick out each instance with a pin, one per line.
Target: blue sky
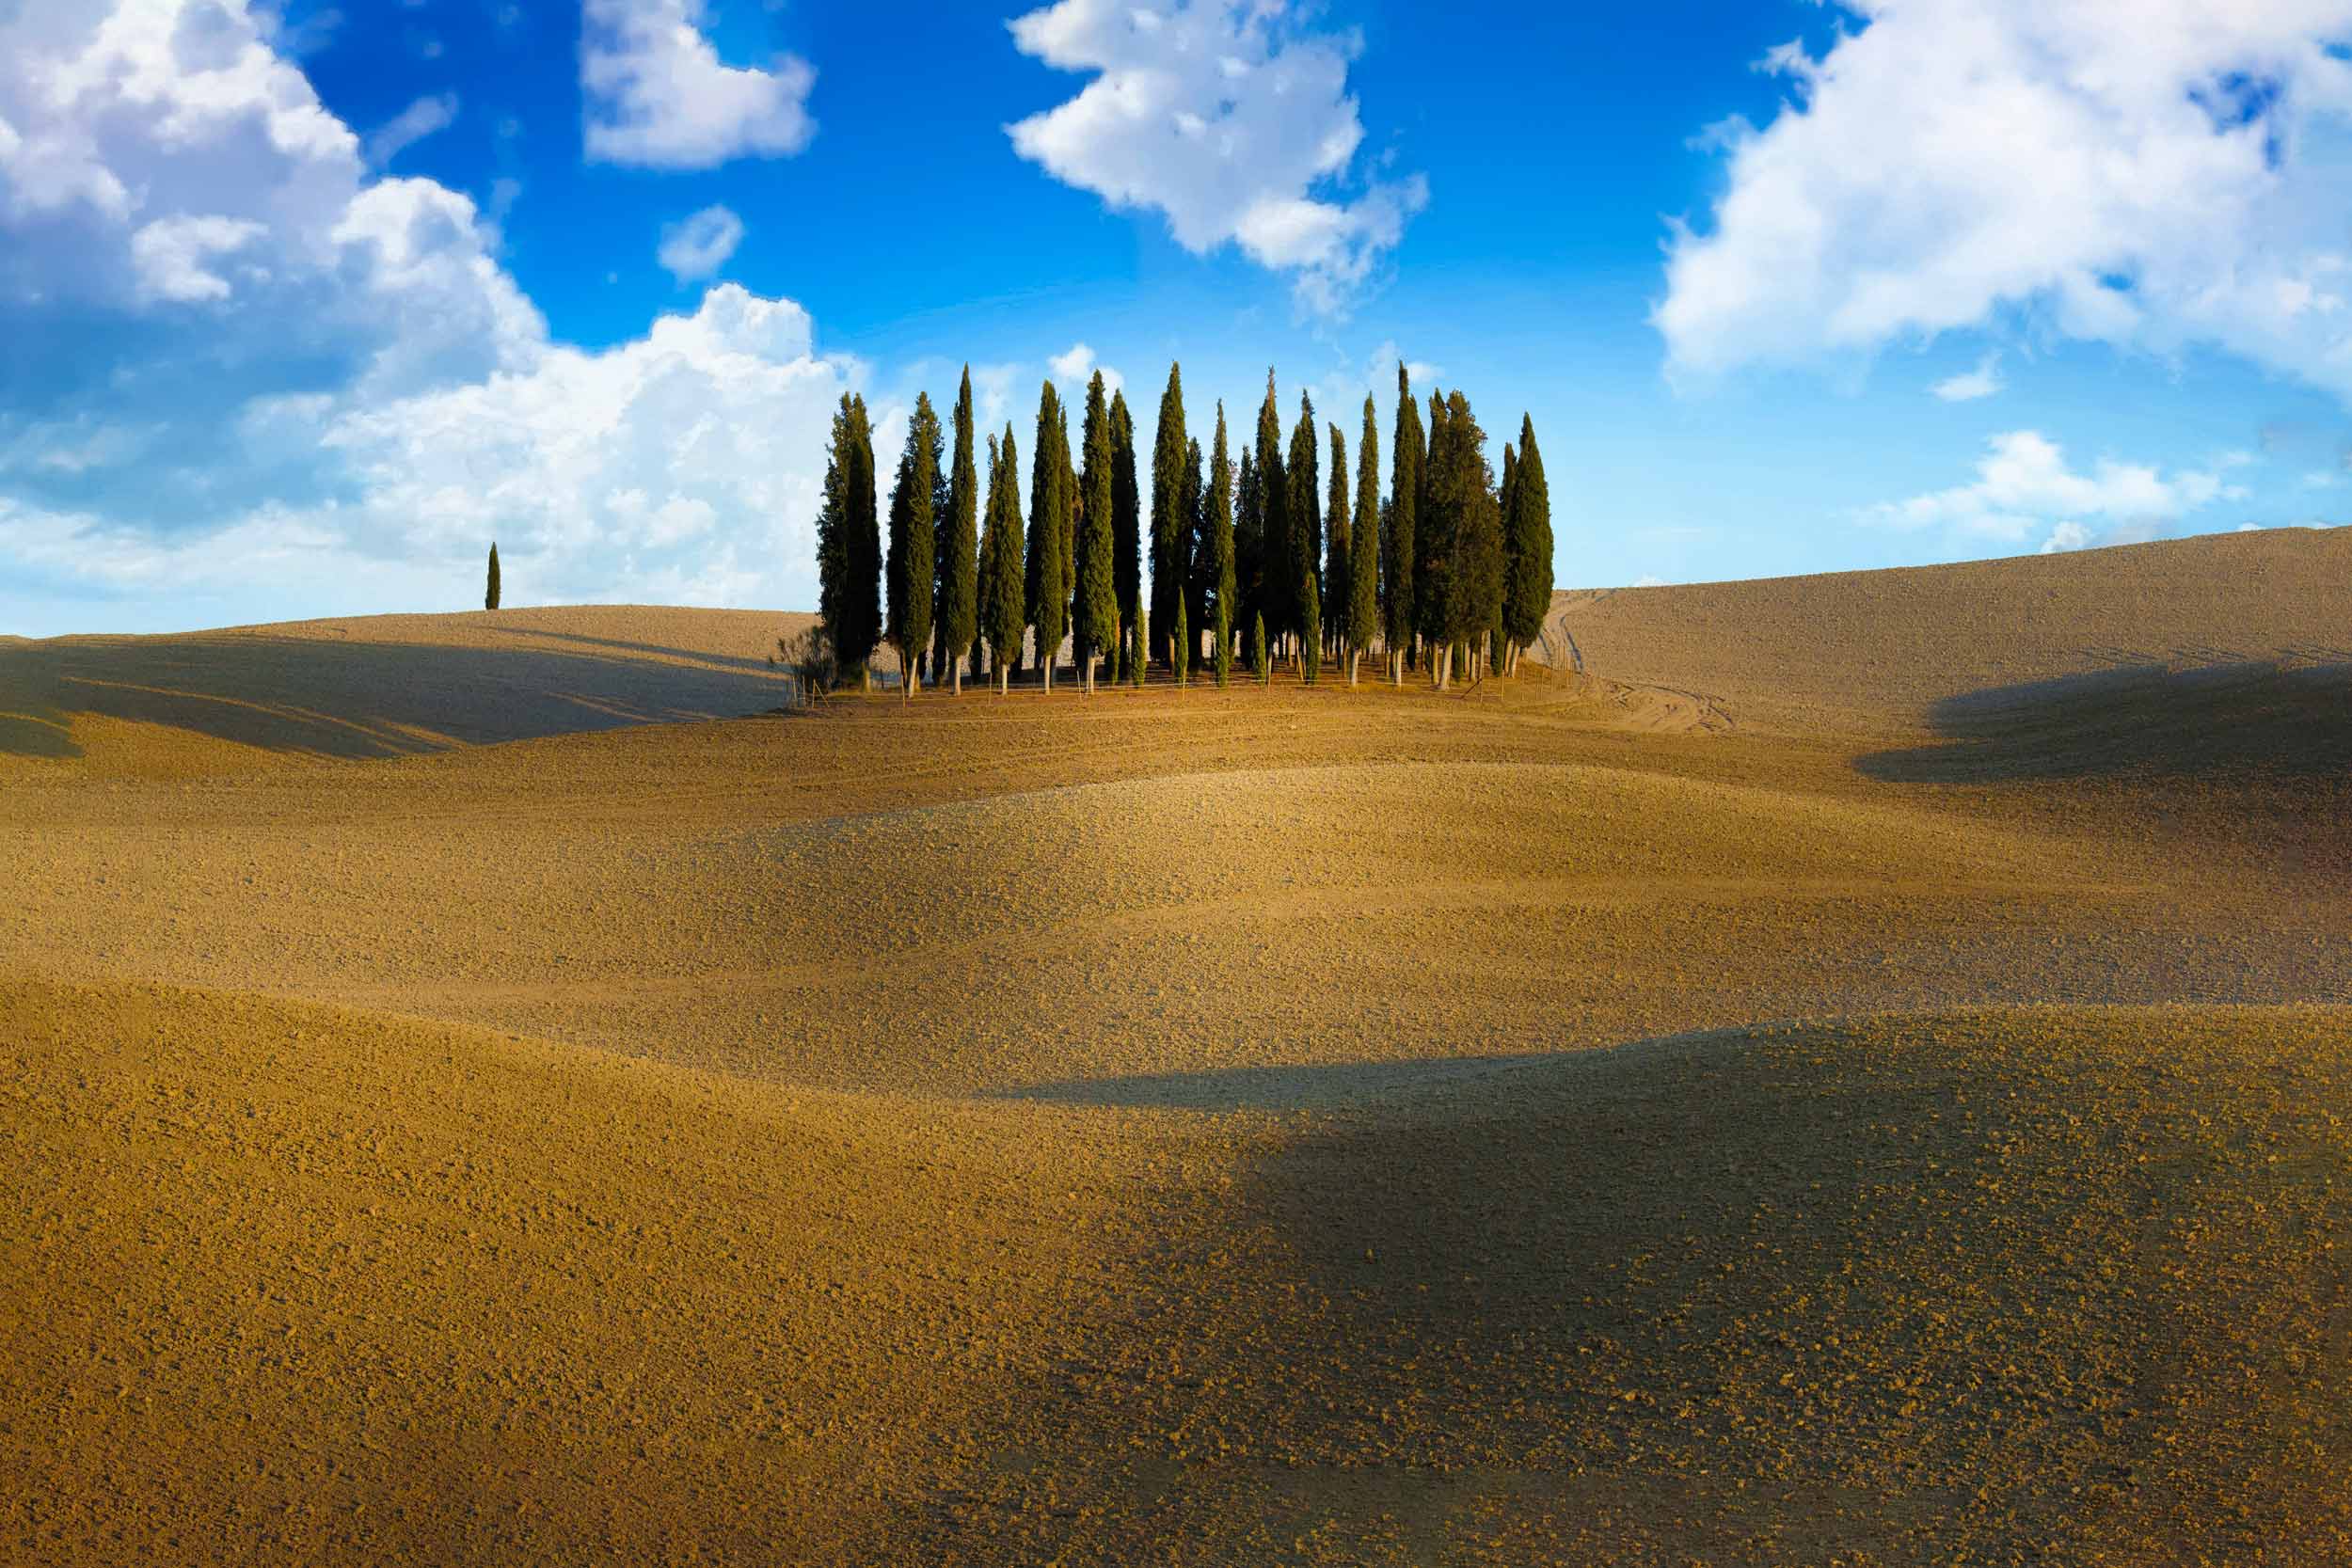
(311, 301)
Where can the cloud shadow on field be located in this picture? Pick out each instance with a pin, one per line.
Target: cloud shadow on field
(2148, 720)
(330, 698)
(1280, 1088)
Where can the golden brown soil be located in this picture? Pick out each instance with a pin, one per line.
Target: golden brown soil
(1617, 1120)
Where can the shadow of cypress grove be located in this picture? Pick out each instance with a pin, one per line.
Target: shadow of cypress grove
(2147, 721)
(330, 698)
(2001, 1287)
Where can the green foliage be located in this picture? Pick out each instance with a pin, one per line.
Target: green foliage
(1275, 583)
(1192, 582)
(1306, 514)
(1051, 495)
(1138, 640)
(1527, 546)
(1126, 513)
(958, 612)
(849, 540)
(1094, 614)
(1248, 542)
(1470, 524)
(1258, 664)
(1310, 629)
(913, 534)
(490, 594)
(1337, 539)
(1170, 519)
(1180, 645)
(1218, 528)
(1398, 548)
(1362, 622)
(1004, 612)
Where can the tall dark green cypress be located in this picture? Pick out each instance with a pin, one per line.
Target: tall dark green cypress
(833, 541)
(1249, 543)
(1005, 612)
(1504, 502)
(1363, 563)
(1094, 613)
(1310, 629)
(1526, 549)
(914, 501)
(1277, 582)
(958, 613)
(1470, 523)
(1169, 561)
(1180, 645)
(1306, 514)
(1191, 583)
(1126, 525)
(1433, 538)
(1339, 557)
(490, 591)
(1398, 548)
(1258, 662)
(1217, 531)
(1050, 499)
(864, 620)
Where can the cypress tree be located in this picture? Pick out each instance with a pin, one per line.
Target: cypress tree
(1306, 514)
(1257, 651)
(1397, 546)
(1310, 629)
(1169, 560)
(1217, 532)
(1005, 612)
(1180, 645)
(1471, 525)
(832, 544)
(1433, 520)
(1340, 552)
(1277, 582)
(1249, 543)
(958, 611)
(1126, 523)
(1495, 658)
(1192, 581)
(1139, 642)
(1094, 614)
(1526, 549)
(1050, 497)
(490, 592)
(1363, 562)
(862, 622)
(913, 533)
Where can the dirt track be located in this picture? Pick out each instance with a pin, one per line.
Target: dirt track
(1170, 1127)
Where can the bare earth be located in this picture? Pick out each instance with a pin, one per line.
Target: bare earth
(1860, 1075)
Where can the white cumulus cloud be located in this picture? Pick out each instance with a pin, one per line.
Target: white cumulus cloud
(1076, 369)
(1232, 120)
(698, 247)
(2025, 485)
(2150, 173)
(254, 380)
(658, 95)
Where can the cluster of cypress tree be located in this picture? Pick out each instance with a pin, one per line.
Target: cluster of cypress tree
(1449, 572)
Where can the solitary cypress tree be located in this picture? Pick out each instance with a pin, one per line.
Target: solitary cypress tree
(1094, 615)
(1217, 531)
(1397, 546)
(1277, 582)
(1050, 499)
(1168, 521)
(1340, 557)
(913, 518)
(1526, 549)
(1306, 514)
(1257, 651)
(1126, 522)
(1363, 562)
(490, 594)
(1180, 645)
(958, 611)
(1005, 612)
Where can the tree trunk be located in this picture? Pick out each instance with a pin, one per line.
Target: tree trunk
(1355, 656)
